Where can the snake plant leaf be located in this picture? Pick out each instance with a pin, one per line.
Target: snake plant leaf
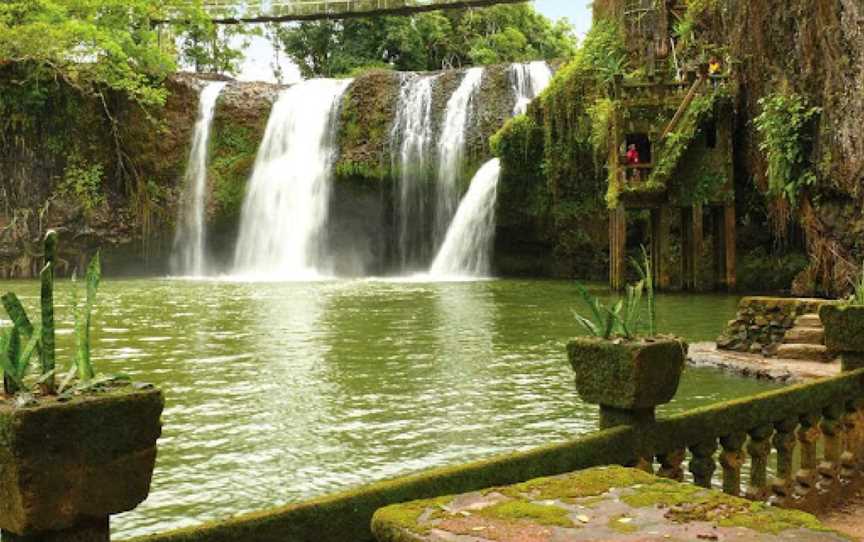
(17, 313)
(47, 350)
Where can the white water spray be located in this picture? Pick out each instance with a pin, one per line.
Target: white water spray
(467, 248)
(188, 253)
(451, 149)
(528, 81)
(413, 132)
(288, 197)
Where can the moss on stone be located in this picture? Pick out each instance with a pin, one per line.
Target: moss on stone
(366, 119)
(540, 514)
(627, 375)
(589, 483)
(687, 504)
(844, 327)
(233, 151)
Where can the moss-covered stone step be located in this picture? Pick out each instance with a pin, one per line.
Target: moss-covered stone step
(809, 320)
(805, 335)
(609, 504)
(804, 352)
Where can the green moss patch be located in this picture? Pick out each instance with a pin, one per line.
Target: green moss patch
(535, 513)
(588, 483)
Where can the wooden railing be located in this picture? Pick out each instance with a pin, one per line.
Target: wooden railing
(228, 12)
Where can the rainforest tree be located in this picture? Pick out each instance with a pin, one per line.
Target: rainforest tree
(427, 41)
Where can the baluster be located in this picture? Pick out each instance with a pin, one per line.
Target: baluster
(759, 449)
(732, 459)
(850, 457)
(702, 464)
(784, 442)
(670, 465)
(832, 427)
(808, 436)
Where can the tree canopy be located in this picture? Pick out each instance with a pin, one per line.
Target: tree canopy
(94, 45)
(427, 41)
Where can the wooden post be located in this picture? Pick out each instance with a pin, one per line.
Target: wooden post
(692, 239)
(660, 247)
(730, 238)
(617, 246)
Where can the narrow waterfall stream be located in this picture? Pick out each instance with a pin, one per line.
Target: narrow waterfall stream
(288, 197)
(412, 135)
(451, 151)
(188, 256)
(467, 249)
(528, 81)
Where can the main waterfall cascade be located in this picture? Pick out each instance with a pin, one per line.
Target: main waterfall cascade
(528, 81)
(412, 135)
(288, 198)
(451, 150)
(467, 248)
(188, 254)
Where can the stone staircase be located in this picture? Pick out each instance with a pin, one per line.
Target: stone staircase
(805, 341)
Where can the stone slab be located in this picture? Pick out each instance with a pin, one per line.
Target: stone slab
(758, 366)
(609, 504)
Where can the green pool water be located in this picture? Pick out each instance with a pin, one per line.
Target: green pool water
(281, 392)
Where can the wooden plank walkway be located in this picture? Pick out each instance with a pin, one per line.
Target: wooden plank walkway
(231, 12)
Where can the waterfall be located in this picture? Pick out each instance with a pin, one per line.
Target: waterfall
(188, 253)
(467, 247)
(451, 150)
(289, 192)
(412, 134)
(528, 81)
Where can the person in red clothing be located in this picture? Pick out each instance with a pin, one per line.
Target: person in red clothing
(633, 160)
(632, 156)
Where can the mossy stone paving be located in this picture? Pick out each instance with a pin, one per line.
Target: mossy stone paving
(610, 503)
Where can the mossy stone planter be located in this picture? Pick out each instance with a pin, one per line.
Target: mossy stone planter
(844, 327)
(627, 375)
(70, 465)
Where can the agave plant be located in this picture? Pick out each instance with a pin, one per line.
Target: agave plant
(622, 319)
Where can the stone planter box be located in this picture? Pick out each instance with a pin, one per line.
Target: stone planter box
(627, 375)
(67, 464)
(844, 328)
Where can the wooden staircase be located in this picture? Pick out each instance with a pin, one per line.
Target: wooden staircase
(805, 341)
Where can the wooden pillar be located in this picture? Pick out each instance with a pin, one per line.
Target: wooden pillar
(692, 239)
(660, 226)
(730, 240)
(718, 234)
(617, 246)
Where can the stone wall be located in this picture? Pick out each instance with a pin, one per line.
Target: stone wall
(762, 323)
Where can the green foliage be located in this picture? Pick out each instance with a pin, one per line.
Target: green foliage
(83, 182)
(857, 296)
(427, 41)
(622, 319)
(646, 273)
(784, 127)
(625, 318)
(89, 44)
(83, 319)
(15, 360)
